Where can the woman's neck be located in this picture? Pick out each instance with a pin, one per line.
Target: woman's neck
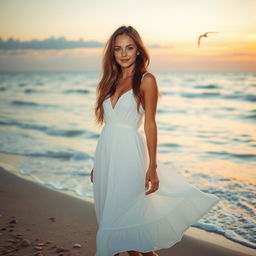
(126, 73)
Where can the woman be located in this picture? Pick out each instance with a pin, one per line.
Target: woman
(140, 204)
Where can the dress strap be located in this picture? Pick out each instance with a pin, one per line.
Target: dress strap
(144, 75)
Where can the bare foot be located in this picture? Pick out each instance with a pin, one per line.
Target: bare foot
(149, 254)
(134, 253)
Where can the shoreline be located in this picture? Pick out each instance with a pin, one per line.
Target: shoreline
(59, 220)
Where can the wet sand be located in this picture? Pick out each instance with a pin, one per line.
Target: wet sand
(36, 219)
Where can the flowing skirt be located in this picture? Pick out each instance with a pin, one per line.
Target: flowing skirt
(127, 218)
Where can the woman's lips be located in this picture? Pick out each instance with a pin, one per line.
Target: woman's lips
(125, 60)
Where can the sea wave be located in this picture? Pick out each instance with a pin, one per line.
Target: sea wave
(51, 131)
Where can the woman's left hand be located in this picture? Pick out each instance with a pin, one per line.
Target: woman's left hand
(151, 176)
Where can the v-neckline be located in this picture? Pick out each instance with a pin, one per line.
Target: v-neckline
(113, 108)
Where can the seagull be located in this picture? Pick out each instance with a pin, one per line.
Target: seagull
(204, 35)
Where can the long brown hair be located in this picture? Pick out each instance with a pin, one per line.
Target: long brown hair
(112, 70)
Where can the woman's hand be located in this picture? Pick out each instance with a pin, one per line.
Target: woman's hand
(91, 175)
(151, 176)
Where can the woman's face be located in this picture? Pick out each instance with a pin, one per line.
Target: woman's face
(125, 51)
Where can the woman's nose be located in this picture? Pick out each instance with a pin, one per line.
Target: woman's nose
(123, 53)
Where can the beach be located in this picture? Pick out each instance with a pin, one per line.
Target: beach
(55, 223)
(58, 121)
(205, 133)
(48, 141)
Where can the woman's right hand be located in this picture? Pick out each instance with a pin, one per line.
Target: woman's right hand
(91, 174)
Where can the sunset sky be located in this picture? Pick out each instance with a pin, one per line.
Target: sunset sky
(69, 35)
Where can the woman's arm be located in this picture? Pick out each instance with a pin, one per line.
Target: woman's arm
(150, 92)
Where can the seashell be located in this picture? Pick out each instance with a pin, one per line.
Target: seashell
(14, 241)
(53, 219)
(25, 242)
(38, 254)
(14, 221)
(38, 248)
(77, 245)
(60, 249)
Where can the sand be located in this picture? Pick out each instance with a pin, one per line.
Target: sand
(53, 220)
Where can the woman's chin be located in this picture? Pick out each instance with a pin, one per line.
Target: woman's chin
(125, 65)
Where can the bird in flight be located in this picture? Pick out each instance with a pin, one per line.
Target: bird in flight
(203, 35)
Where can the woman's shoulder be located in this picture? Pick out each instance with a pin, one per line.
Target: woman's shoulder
(147, 76)
(148, 80)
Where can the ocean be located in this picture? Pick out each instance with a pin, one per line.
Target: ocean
(206, 131)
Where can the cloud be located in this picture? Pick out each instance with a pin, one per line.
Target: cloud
(154, 46)
(50, 43)
(242, 54)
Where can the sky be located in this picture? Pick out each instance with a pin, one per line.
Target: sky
(61, 35)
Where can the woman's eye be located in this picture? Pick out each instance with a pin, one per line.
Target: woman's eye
(117, 49)
(130, 48)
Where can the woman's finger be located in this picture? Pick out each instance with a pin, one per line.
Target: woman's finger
(91, 175)
(146, 182)
(152, 189)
